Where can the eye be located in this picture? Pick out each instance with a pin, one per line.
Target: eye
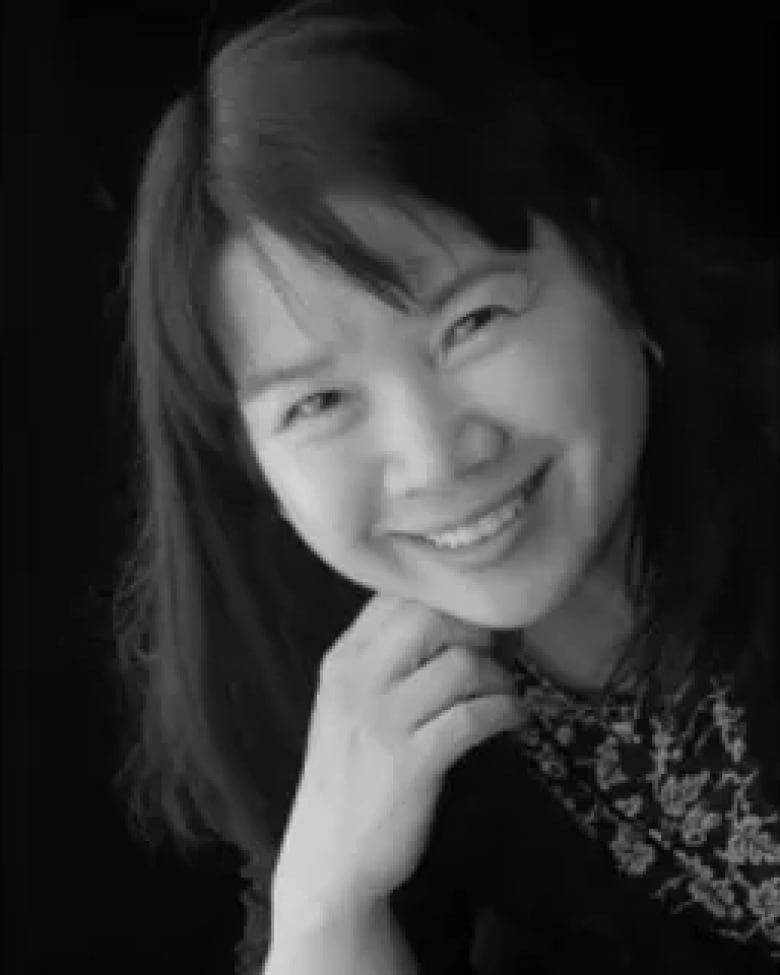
(481, 315)
(299, 410)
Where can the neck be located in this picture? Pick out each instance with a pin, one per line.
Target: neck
(579, 642)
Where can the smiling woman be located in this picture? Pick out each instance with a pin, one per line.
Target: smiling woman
(520, 600)
(430, 432)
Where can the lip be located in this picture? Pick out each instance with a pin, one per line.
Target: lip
(473, 516)
(483, 555)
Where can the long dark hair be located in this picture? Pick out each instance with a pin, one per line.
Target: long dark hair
(222, 615)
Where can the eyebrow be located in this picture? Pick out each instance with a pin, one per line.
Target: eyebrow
(259, 383)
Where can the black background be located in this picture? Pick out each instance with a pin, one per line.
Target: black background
(83, 87)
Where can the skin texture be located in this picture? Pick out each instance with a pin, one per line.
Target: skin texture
(429, 414)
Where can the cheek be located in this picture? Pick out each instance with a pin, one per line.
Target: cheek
(590, 367)
(548, 389)
(324, 500)
(588, 401)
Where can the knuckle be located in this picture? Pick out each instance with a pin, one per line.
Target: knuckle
(466, 666)
(328, 663)
(330, 683)
(340, 683)
(467, 720)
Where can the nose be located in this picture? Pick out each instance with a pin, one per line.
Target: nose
(436, 440)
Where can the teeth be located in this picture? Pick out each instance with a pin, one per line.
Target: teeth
(489, 525)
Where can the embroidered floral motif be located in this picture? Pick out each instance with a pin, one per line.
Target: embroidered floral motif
(764, 901)
(632, 853)
(550, 763)
(675, 797)
(608, 770)
(564, 734)
(697, 825)
(748, 843)
(629, 807)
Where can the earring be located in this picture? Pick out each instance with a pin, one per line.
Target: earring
(651, 346)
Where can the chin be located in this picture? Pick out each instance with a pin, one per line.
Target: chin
(511, 604)
(486, 612)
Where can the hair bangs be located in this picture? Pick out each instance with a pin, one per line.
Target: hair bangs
(296, 116)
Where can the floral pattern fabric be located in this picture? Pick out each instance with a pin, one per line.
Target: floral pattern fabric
(674, 796)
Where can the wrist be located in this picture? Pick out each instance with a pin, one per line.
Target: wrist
(301, 907)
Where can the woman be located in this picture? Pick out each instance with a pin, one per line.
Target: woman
(513, 513)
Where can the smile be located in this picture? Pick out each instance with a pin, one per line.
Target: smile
(493, 535)
(485, 527)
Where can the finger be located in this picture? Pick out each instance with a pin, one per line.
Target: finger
(458, 674)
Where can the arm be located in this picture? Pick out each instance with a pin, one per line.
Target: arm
(362, 942)
(434, 914)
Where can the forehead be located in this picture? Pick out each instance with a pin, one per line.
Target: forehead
(270, 292)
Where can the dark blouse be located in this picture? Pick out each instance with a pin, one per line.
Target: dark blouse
(612, 839)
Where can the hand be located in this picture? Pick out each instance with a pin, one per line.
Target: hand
(403, 694)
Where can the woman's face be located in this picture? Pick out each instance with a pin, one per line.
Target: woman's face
(423, 419)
